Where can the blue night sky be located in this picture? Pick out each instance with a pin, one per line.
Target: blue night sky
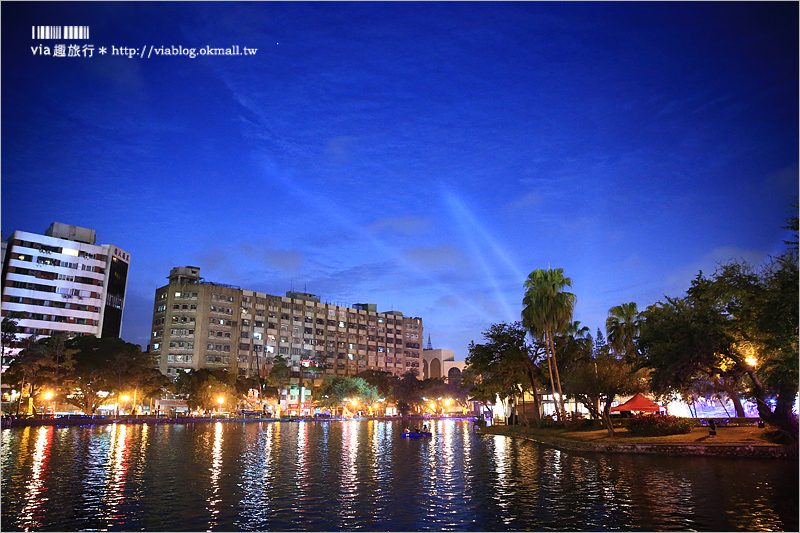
(425, 157)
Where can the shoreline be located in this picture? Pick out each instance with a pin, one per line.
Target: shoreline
(754, 450)
(10, 423)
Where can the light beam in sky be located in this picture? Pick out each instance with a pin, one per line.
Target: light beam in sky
(470, 227)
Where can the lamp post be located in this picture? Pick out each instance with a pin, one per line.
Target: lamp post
(49, 396)
(220, 401)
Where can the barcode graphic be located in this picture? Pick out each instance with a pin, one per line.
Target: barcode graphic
(59, 32)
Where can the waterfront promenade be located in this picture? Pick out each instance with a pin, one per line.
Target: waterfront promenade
(748, 441)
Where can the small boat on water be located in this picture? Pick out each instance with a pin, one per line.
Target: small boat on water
(416, 434)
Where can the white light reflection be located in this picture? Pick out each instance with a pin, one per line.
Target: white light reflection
(270, 438)
(349, 469)
(33, 499)
(116, 470)
(301, 478)
(216, 470)
(500, 495)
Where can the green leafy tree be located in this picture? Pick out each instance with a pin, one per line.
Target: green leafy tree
(408, 393)
(55, 349)
(738, 328)
(600, 345)
(548, 311)
(596, 381)
(504, 366)
(104, 365)
(622, 328)
(10, 328)
(345, 392)
(385, 382)
(203, 389)
(25, 369)
(279, 376)
(573, 347)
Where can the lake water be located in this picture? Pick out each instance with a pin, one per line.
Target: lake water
(360, 475)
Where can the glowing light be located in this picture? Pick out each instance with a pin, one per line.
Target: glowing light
(48, 396)
(751, 361)
(125, 398)
(220, 400)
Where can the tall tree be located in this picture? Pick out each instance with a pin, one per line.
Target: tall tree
(8, 341)
(737, 324)
(279, 375)
(385, 382)
(25, 368)
(55, 349)
(622, 329)
(598, 380)
(600, 345)
(408, 393)
(504, 366)
(338, 391)
(203, 388)
(547, 311)
(103, 365)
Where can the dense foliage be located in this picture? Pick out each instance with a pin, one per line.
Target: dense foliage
(735, 332)
(84, 371)
(658, 425)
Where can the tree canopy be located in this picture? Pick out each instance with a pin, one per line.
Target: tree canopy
(737, 331)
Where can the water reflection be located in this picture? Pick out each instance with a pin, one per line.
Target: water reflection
(348, 478)
(34, 500)
(329, 476)
(117, 468)
(214, 497)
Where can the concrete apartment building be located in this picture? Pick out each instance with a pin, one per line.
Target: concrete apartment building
(199, 324)
(63, 282)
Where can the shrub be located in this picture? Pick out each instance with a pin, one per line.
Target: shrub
(659, 425)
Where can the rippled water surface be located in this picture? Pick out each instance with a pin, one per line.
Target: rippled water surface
(330, 476)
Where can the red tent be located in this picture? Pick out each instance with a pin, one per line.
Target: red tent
(639, 403)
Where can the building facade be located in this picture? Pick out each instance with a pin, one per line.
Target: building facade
(199, 324)
(63, 282)
(441, 364)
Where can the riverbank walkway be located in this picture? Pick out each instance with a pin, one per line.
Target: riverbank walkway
(85, 420)
(729, 442)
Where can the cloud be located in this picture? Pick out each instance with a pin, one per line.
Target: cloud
(436, 257)
(340, 149)
(529, 200)
(287, 260)
(448, 301)
(400, 225)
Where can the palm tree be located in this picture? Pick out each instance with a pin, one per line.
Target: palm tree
(547, 312)
(622, 328)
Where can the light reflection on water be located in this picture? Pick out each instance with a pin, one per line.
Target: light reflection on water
(214, 497)
(329, 476)
(34, 499)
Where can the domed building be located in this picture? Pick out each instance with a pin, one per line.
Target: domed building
(441, 364)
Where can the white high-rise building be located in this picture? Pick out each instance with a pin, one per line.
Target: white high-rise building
(62, 282)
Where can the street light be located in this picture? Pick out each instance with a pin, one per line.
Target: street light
(220, 401)
(49, 396)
